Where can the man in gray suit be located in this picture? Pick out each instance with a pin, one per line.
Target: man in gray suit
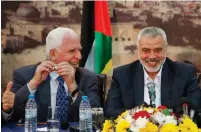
(172, 81)
(63, 51)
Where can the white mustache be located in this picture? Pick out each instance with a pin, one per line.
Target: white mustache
(153, 60)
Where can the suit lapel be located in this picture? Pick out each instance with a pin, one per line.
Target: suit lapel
(166, 83)
(43, 96)
(138, 84)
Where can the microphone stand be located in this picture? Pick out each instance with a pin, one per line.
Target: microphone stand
(152, 100)
(150, 97)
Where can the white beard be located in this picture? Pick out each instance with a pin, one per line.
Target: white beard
(152, 69)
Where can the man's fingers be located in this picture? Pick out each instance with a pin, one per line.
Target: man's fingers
(62, 70)
(61, 66)
(9, 86)
(64, 63)
(8, 99)
(42, 68)
(63, 74)
(5, 101)
(51, 63)
(47, 65)
(66, 67)
(9, 95)
(7, 107)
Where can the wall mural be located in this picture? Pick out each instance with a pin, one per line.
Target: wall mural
(25, 26)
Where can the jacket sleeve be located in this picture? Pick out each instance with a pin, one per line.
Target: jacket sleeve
(114, 105)
(193, 90)
(90, 89)
(21, 96)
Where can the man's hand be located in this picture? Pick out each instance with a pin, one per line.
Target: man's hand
(67, 71)
(41, 73)
(8, 98)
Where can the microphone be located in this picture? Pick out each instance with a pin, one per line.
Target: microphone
(65, 125)
(189, 107)
(185, 108)
(179, 107)
(152, 93)
(142, 104)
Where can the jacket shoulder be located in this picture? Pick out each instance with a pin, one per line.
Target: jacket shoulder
(128, 67)
(25, 71)
(181, 68)
(85, 72)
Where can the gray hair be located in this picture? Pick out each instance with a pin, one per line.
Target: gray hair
(55, 37)
(152, 32)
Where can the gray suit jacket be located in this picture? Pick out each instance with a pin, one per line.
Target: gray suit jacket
(127, 89)
(86, 81)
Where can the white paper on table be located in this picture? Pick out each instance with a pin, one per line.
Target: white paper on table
(43, 129)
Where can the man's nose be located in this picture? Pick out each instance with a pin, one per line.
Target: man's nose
(152, 55)
(78, 55)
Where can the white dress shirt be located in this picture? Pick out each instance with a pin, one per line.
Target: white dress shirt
(157, 81)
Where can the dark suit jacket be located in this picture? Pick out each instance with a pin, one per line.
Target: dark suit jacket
(127, 89)
(85, 79)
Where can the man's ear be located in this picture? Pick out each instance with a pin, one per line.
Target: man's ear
(52, 54)
(166, 48)
(138, 49)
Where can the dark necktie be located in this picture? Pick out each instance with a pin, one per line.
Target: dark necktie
(61, 100)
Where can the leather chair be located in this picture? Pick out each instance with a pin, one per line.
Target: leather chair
(198, 118)
(102, 82)
(199, 77)
(198, 115)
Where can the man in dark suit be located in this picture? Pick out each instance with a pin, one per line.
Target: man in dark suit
(47, 78)
(172, 80)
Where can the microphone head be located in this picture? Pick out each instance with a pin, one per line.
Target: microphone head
(186, 101)
(150, 85)
(65, 125)
(185, 105)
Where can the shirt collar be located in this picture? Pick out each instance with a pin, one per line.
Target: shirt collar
(54, 75)
(158, 76)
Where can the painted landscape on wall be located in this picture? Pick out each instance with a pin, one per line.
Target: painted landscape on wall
(25, 26)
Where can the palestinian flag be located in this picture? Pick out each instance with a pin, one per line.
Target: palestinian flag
(96, 37)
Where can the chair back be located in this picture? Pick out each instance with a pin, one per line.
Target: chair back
(102, 82)
(199, 77)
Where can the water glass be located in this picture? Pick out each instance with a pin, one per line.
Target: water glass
(53, 123)
(98, 117)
